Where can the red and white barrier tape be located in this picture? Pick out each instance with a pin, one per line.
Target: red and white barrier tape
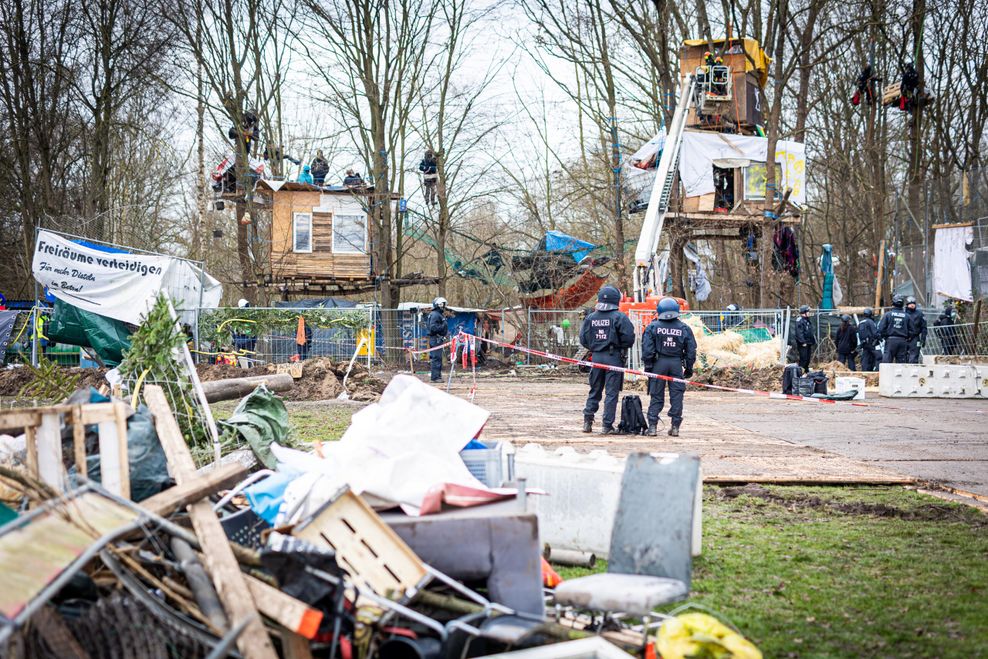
(630, 371)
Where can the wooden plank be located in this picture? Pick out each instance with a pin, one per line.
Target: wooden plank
(219, 559)
(120, 414)
(49, 443)
(294, 646)
(19, 419)
(79, 441)
(167, 502)
(31, 440)
(294, 615)
(109, 457)
(956, 225)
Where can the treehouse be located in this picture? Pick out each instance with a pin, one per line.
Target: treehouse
(727, 94)
(319, 240)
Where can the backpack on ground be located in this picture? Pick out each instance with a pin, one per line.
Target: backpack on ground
(633, 420)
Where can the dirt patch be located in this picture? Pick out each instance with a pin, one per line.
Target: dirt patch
(12, 380)
(322, 379)
(835, 369)
(925, 513)
(742, 377)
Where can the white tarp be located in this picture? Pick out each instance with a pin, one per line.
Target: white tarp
(647, 157)
(399, 449)
(120, 286)
(700, 151)
(951, 262)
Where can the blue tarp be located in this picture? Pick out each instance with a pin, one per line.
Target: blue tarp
(557, 241)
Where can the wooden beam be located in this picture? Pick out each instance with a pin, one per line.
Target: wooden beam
(220, 562)
(958, 225)
(165, 503)
(292, 614)
(881, 275)
(79, 441)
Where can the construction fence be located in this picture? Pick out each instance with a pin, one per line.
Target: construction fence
(383, 336)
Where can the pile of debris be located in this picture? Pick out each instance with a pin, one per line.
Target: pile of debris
(321, 379)
(392, 542)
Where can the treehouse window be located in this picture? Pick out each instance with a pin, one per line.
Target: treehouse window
(302, 232)
(349, 234)
(754, 180)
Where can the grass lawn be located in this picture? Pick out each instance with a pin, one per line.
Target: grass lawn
(844, 572)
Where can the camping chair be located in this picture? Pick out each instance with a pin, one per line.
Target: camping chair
(650, 561)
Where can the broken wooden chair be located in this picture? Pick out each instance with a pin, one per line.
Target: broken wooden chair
(650, 562)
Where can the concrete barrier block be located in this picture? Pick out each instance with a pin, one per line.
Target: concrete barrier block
(905, 380)
(583, 490)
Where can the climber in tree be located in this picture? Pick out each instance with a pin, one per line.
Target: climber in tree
(907, 87)
(430, 176)
(867, 86)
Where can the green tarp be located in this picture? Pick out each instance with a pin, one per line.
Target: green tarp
(74, 326)
(261, 418)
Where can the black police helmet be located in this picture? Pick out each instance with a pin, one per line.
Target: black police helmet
(608, 298)
(897, 301)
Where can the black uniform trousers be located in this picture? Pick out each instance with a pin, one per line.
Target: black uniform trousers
(805, 352)
(436, 358)
(847, 358)
(671, 366)
(869, 358)
(607, 384)
(896, 350)
(914, 350)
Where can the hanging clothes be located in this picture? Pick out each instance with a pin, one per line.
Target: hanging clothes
(951, 262)
(785, 257)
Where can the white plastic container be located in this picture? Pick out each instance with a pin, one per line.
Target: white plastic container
(849, 383)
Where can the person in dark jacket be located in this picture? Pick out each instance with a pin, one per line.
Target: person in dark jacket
(805, 339)
(430, 176)
(607, 334)
(847, 342)
(917, 330)
(438, 334)
(319, 168)
(944, 328)
(868, 339)
(353, 179)
(894, 330)
(668, 348)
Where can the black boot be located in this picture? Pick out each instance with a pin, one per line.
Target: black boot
(610, 430)
(588, 424)
(674, 429)
(651, 432)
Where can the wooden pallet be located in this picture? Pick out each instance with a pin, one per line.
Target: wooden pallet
(374, 555)
(43, 434)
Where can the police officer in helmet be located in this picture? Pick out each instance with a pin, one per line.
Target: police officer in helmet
(805, 339)
(607, 334)
(895, 329)
(868, 337)
(438, 335)
(917, 329)
(668, 348)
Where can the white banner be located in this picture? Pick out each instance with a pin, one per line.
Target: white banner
(120, 286)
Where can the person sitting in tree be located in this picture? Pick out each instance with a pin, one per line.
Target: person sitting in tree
(353, 179)
(867, 86)
(907, 87)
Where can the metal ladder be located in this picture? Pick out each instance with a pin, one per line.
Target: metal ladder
(646, 264)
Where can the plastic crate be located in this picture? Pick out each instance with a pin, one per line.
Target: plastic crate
(485, 463)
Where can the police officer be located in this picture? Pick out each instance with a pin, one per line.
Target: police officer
(438, 333)
(894, 328)
(868, 338)
(805, 340)
(668, 348)
(607, 334)
(917, 329)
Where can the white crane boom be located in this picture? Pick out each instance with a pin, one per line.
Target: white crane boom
(646, 264)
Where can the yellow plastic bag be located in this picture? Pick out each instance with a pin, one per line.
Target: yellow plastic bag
(698, 634)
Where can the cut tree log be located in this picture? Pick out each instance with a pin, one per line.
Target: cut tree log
(217, 390)
(219, 558)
